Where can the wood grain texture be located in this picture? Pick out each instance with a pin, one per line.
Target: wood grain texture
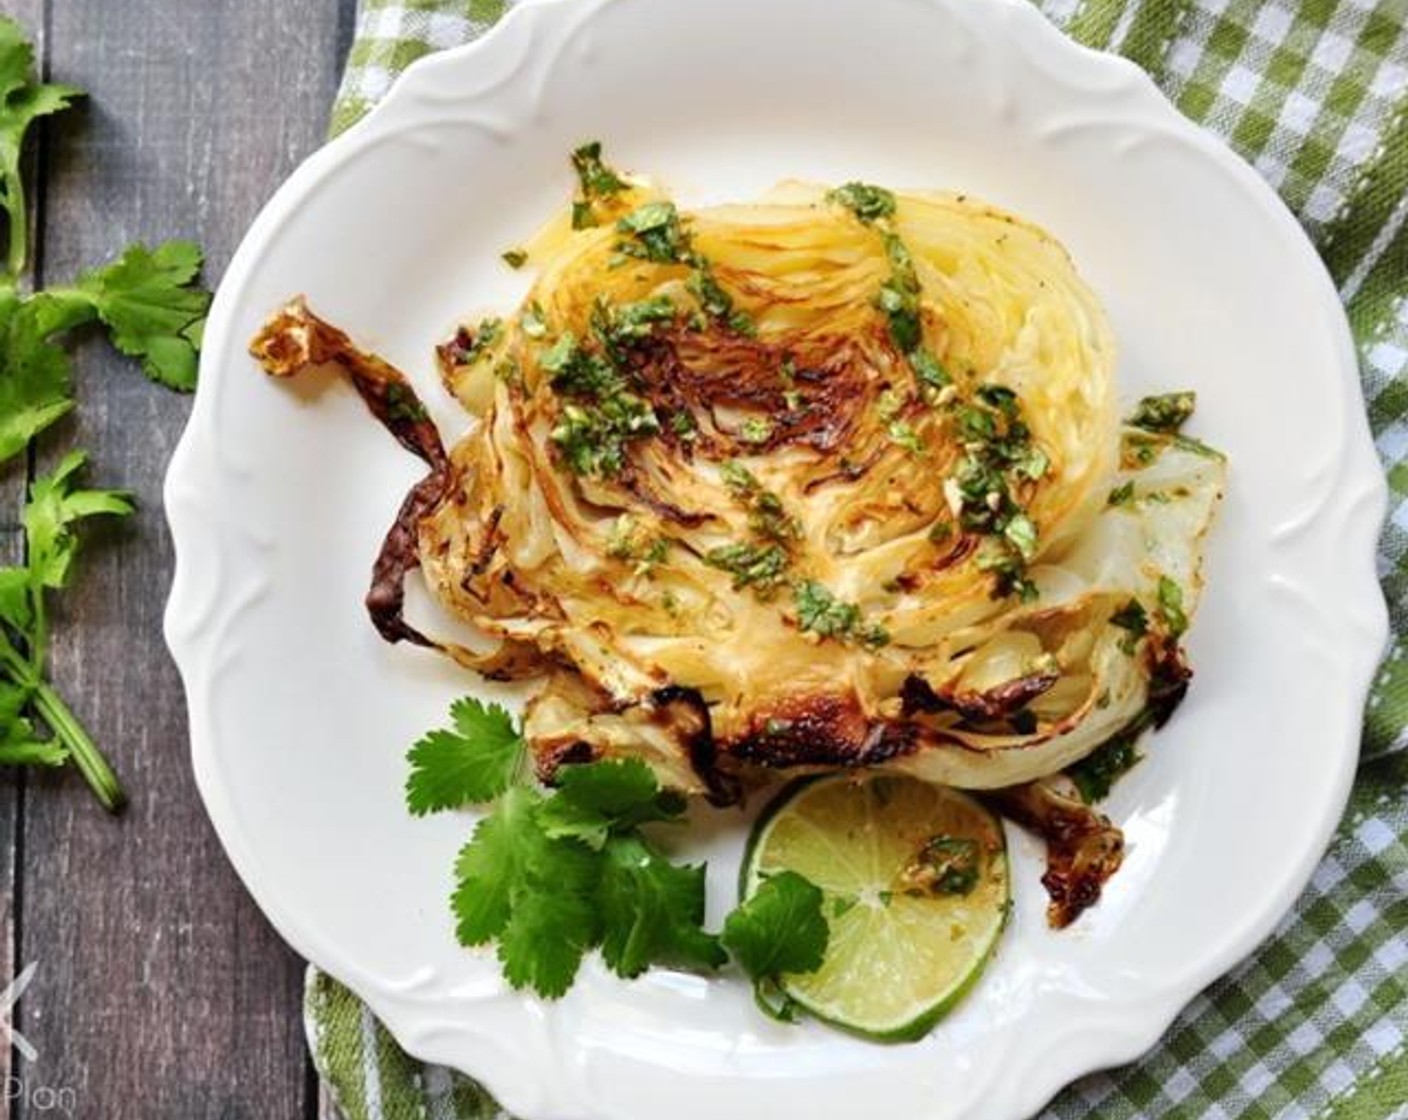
(162, 994)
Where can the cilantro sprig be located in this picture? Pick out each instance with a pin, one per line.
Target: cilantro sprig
(150, 306)
(22, 102)
(551, 874)
(54, 509)
(780, 928)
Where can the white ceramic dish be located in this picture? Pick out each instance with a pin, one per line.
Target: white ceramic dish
(278, 498)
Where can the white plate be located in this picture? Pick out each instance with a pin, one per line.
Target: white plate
(278, 497)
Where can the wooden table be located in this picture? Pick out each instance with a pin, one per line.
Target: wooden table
(161, 993)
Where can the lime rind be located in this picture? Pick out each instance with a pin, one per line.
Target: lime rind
(851, 843)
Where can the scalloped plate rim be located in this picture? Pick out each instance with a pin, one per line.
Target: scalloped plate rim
(1145, 1020)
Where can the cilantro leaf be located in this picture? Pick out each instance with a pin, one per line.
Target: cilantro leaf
(550, 931)
(488, 869)
(652, 911)
(35, 377)
(531, 892)
(13, 698)
(594, 800)
(550, 877)
(20, 747)
(153, 309)
(22, 102)
(474, 762)
(781, 928)
(15, 606)
(54, 506)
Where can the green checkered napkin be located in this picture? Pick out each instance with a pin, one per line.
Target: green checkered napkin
(1314, 93)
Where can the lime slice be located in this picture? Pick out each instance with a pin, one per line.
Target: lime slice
(916, 883)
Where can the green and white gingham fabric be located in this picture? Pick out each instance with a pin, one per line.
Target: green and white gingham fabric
(1314, 93)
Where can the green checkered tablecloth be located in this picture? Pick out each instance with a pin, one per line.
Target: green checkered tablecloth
(1314, 94)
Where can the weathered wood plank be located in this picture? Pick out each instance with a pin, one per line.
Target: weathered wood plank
(161, 992)
(13, 478)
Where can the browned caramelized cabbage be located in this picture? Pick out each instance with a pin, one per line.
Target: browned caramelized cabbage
(824, 481)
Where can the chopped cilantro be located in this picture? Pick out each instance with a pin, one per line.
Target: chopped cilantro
(1196, 447)
(1122, 495)
(1166, 413)
(899, 296)
(403, 404)
(633, 321)
(515, 258)
(582, 215)
(905, 436)
(592, 438)
(888, 404)
(999, 455)
(1020, 531)
(759, 566)
(1132, 617)
(1097, 772)
(946, 865)
(533, 322)
(656, 234)
(999, 397)
(1031, 462)
(821, 612)
(714, 301)
(755, 429)
(999, 557)
(595, 177)
(595, 181)
(929, 369)
(865, 201)
(479, 341)
(1171, 607)
(767, 517)
(628, 542)
(742, 482)
(577, 371)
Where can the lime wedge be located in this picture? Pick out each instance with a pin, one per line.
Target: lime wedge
(916, 883)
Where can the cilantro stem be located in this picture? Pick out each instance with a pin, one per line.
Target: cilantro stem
(16, 209)
(39, 632)
(86, 756)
